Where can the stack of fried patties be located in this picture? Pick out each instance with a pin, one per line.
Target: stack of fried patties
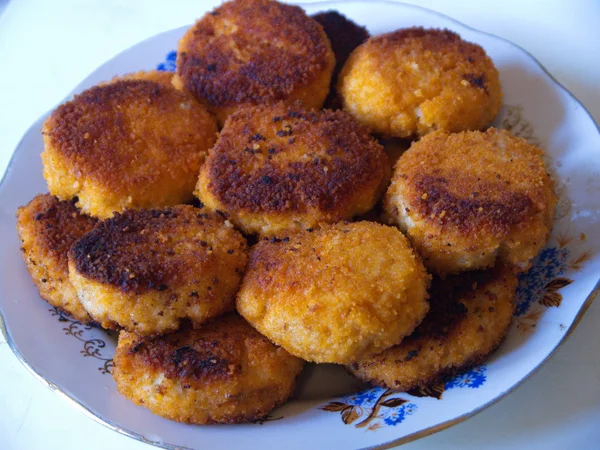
(145, 228)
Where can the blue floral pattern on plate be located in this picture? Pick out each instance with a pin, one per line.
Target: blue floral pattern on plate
(473, 379)
(548, 265)
(168, 65)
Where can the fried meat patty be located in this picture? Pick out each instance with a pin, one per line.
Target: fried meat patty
(135, 142)
(276, 168)
(148, 270)
(345, 36)
(249, 52)
(414, 81)
(336, 294)
(469, 317)
(47, 228)
(224, 372)
(470, 199)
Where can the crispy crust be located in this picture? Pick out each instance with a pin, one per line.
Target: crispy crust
(131, 143)
(149, 269)
(335, 294)
(276, 168)
(414, 81)
(253, 52)
(158, 76)
(225, 372)
(469, 317)
(47, 228)
(480, 197)
(345, 36)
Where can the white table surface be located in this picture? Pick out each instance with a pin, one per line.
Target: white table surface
(47, 47)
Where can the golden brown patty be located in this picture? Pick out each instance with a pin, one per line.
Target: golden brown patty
(277, 168)
(336, 294)
(413, 81)
(47, 228)
(249, 52)
(344, 36)
(469, 317)
(159, 76)
(131, 143)
(469, 199)
(224, 372)
(147, 270)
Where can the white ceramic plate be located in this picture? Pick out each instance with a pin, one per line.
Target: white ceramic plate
(75, 360)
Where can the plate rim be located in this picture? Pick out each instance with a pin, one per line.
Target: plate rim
(386, 445)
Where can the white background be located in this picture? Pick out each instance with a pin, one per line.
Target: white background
(47, 47)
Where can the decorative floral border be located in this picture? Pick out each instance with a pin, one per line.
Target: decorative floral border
(372, 409)
(91, 347)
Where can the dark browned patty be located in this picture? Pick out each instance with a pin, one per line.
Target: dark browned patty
(276, 168)
(252, 52)
(47, 228)
(225, 372)
(344, 35)
(147, 270)
(468, 318)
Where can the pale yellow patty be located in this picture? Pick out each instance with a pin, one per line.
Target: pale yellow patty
(134, 142)
(414, 81)
(470, 315)
(468, 200)
(336, 294)
(47, 228)
(225, 372)
(148, 270)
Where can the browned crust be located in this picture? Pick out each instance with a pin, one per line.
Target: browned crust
(274, 49)
(279, 158)
(158, 76)
(226, 353)
(473, 213)
(467, 184)
(121, 134)
(446, 314)
(213, 352)
(428, 381)
(438, 41)
(56, 225)
(135, 251)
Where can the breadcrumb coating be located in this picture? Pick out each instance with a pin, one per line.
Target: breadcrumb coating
(224, 372)
(249, 52)
(135, 142)
(336, 294)
(47, 228)
(414, 81)
(470, 199)
(277, 168)
(469, 317)
(149, 270)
